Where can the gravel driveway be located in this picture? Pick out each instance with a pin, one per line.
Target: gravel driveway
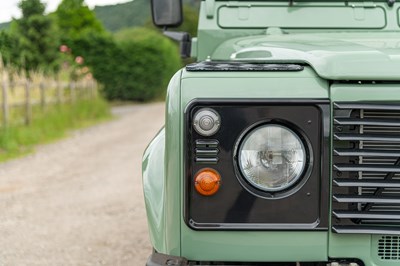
(79, 201)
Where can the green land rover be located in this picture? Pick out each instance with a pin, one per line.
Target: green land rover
(281, 145)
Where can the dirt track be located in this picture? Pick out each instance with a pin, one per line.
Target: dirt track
(79, 201)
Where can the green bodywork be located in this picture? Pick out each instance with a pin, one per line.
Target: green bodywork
(363, 44)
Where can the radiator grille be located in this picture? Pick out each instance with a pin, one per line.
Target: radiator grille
(366, 168)
(389, 248)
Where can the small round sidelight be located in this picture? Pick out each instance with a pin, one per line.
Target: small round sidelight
(272, 157)
(206, 122)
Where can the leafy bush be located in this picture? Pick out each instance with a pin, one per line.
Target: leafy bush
(136, 65)
(74, 18)
(9, 48)
(150, 59)
(100, 53)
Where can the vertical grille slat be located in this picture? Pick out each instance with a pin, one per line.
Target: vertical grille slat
(366, 168)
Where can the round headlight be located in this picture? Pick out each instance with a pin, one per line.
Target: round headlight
(272, 157)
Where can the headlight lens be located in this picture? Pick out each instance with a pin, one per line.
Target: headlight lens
(272, 157)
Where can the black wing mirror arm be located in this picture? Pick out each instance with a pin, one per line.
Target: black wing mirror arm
(184, 39)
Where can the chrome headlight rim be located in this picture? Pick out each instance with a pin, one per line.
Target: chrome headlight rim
(294, 176)
(292, 187)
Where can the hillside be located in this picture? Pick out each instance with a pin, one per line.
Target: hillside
(131, 14)
(115, 17)
(4, 25)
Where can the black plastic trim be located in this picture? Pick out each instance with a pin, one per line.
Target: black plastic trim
(254, 226)
(159, 259)
(323, 201)
(241, 66)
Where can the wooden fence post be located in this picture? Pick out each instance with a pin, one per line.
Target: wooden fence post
(59, 90)
(5, 99)
(42, 87)
(95, 88)
(11, 82)
(72, 91)
(90, 89)
(85, 86)
(28, 103)
(82, 89)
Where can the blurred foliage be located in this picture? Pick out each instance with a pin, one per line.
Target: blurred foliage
(75, 22)
(32, 41)
(9, 48)
(190, 20)
(135, 64)
(75, 19)
(101, 54)
(151, 60)
(31, 8)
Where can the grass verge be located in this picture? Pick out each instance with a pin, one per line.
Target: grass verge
(51, 124)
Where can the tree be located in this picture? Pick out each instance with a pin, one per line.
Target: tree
(38, 37)
(31, 7)
(9, 48)
(144, 64)
(75, 19)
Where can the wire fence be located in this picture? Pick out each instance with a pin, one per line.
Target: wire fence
(21, 94)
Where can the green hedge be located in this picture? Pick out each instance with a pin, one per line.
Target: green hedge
(134, 65)
(150, 61)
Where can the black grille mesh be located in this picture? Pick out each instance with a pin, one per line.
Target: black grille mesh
(366, 168)
(389, 248)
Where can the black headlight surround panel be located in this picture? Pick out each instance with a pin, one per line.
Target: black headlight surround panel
(235, 206)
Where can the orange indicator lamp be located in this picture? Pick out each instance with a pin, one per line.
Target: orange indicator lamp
(207, 181)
